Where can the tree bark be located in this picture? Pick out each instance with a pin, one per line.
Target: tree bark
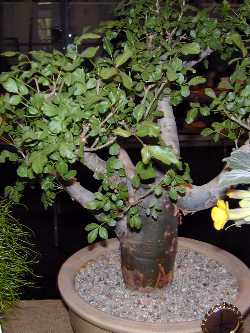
(202, 197)
(93, 162)
(148, 256)
(205, 196)
(168, 126)
(79, 194)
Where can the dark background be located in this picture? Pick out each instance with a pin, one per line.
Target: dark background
(59, 231)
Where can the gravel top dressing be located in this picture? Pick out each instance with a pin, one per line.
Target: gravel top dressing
(199, 283)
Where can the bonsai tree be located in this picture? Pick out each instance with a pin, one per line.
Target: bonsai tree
(88, 105)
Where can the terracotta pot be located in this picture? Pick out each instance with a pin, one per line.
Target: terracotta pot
(86, 319)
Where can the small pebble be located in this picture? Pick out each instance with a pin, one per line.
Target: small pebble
(199, 283)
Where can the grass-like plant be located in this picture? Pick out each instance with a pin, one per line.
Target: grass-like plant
(15, 257)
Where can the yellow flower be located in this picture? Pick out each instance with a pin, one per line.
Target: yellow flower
(220, 214)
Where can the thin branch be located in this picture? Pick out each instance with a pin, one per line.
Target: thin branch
(204, 54)
(168, 126)
(157, 95)
(112, 140)
(237, 121)
(37, 85)
(108, 117)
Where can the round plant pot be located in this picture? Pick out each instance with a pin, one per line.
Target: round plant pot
(86, 319)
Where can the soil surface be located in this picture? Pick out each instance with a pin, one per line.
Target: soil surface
(199, 283)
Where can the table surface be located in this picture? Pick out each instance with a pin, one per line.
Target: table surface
(50, 316)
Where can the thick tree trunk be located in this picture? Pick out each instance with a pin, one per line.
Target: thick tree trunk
(148, 256)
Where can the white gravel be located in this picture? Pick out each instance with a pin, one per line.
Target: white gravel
(199, 283)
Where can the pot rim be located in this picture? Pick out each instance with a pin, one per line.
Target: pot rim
(106, 321)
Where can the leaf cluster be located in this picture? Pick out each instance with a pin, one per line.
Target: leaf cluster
(57, 106)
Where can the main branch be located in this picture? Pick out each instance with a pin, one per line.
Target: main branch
(168, 126)
(205, 196)
(93, 162)
(202, 197)
(79, 194)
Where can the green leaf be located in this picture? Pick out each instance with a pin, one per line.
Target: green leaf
(62, 167)
(103, 233)
(122, 132)
(210, 93)
(9, 54)
(145, 172)
(134, 222)
(11, 86)
(5, 154)
(67, 150)
(145, 154)
(207, 131)
(23, 90)
(191, 115)
(114, 163)
(86, 36)
(15, 100)
(152, 74)
(197, 80)
(107, 45)
(136, 182)
(79, 88)
(205, 111)
(126, 80)
(173, 194)
(91, 226)
(91, 83)
(55, 126)
(38, 161)
(235, 38)
(171, 73)
(22, 171)
(185, 91)
(138, 112)
(90, 52)
(114, 149)
(92, 235)
(50, 109)
(190, 48)
(107, 72)
(69, 175)
(124, 57)
(91, 205)
(164, 154)
(148, 128)
(225, 84)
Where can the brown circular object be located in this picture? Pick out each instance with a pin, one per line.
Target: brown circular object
(222, 318)
(86, 319)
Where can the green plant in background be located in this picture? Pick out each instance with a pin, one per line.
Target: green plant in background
(15, 258)
(86, 106)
